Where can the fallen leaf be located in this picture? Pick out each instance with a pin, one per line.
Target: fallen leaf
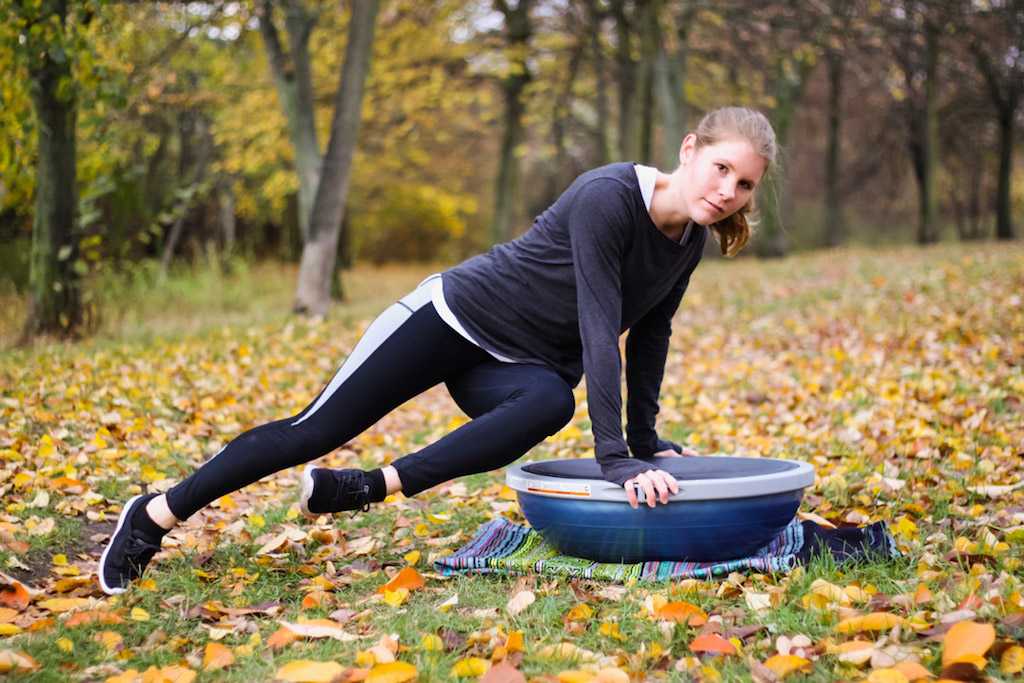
(783, 665)
(712, 643)
(392, 672)
(876, 621)
(408, 578)
(682, 612)
(470, 667)
(888, 675)
(319, 628)
(217, 656)
(503, 672)
(309, 671)
(913, 670)
(519, 602)
(965, 641)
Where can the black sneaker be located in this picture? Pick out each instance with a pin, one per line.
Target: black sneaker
(128, 551)
(325, 491)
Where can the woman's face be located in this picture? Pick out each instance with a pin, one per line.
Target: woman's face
(718, 180)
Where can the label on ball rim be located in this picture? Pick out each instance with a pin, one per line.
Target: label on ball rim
(558, 488)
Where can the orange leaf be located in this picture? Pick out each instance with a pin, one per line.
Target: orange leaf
(217, 656)
(281, 638)
(92, 616)
(714, 643)
(876, 621)
(966, 641)
(314, 599)
(922, 595)
(408, 578)
(13, 593)
(912, 670)
(783, 665)
(681, 612)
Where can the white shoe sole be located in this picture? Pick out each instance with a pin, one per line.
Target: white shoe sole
(307, 492)
(110, 590)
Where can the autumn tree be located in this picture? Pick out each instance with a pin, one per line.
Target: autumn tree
(319, 253)
(44, 39)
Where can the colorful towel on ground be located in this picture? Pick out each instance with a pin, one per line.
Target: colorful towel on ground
(501, 546)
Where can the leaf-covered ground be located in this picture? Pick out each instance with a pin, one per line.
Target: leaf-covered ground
(898, 374)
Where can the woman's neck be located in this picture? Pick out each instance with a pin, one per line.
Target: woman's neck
(667, 210)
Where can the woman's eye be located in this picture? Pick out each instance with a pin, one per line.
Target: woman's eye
(721, 167)
(746, 186)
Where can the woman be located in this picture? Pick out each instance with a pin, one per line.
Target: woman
(509, 332)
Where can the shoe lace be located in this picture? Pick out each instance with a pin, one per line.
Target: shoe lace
(138, 552)
(354, 487)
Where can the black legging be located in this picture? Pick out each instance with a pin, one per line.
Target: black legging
(407, 350)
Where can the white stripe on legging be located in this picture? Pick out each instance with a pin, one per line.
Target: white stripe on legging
(376, 334)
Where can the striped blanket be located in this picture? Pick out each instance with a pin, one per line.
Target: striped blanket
(504, 547)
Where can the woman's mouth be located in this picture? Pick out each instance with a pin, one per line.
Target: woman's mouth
(714, 206)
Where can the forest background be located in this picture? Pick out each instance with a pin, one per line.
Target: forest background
(140, 139)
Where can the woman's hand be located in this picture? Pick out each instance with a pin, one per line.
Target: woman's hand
(651, 481)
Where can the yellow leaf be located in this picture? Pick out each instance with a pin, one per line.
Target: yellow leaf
(1012, 661)
(60, 560)
(470, 667)
(392, 672)
(966, 640)
(890, 675)
(396, 597)
(431, 643)
(580, 612)
(876, 621)
(783, 665)
(109, 639)
(65, 645)
(217, 656)
(9, 630)
(611, 630)
(139, 614)
(412, 558)
(308, 671)
(514, 642)
(63, 604)
(576, 677)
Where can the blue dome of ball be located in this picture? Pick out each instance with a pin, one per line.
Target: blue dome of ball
(727, 507)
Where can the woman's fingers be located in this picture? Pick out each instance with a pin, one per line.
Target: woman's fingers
(657, 485)
(669, 453)
(630, 487)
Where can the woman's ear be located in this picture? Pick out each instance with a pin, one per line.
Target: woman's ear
(687, 149)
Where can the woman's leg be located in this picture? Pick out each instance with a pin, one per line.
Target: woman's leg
(401, 355)
(514, 406)
(405, 351)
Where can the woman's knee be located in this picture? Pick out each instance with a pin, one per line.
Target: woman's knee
(552, 401)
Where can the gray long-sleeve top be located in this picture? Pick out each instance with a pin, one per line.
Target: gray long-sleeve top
(592, 266)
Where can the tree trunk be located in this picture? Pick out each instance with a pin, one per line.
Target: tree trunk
(788, 89)
(54, 285)
(228, 223)
(626, 77)
(320, 252)
(293, 80)
(645, 75)
(927, 227)
(1004, 206)
(670, 80)
(601, 142)
(834, 228)
(517, 34)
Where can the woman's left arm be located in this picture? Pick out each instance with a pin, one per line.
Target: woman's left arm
(646, 350)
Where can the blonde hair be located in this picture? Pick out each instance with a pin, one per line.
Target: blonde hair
(729, 123)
